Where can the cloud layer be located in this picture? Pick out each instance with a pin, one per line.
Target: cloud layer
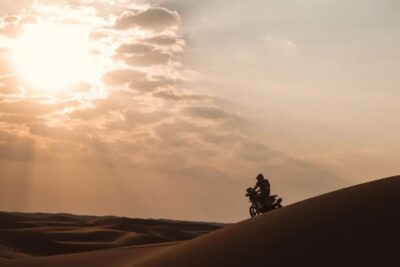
(133, 132)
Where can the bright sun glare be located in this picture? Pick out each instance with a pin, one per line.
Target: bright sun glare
(52, 57)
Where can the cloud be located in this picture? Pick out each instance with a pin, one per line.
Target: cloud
(207, 112)
(152, 58)
(177, 133)
(16, 148)
(12, 26)
(23, 119)
(168, 95)
(13, 6)
(253, 151)
(81, 87)
(85, 114)
(32, 107)
(97, 35)
(155, 18)
(276, 44)
(171, 95)
(122, 76)
(163, 40)
(11, 30)
(75, 3)
(117, 101)
(136, 48)
(51, 135)
(137, 122)
(150, 85)
(28, 20)
(9, 84)
(5, 63)
(139, 54)
(139, 117)
(229, 137)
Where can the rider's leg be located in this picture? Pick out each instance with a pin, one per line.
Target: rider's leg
(264, 199)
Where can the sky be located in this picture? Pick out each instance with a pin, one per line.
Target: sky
(169, 109)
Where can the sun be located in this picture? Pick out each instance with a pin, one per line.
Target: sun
(52, 57)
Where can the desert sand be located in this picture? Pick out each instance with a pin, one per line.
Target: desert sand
(355, 226)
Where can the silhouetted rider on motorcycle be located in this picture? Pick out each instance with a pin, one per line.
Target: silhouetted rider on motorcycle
(260, 198)
(263, 189)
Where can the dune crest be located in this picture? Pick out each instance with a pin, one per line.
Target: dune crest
(355, 226)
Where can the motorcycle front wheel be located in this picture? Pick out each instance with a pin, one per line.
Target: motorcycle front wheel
(253, 211)
(278, 204)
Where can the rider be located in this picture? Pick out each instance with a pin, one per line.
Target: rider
(263, 187)
(254, 198)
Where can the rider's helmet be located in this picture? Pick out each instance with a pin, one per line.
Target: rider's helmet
(260, 177)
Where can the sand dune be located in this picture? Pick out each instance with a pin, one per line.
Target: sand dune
(356, 226)
(34, 236)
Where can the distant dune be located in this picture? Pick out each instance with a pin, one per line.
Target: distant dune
(356, 226)
(33, 236)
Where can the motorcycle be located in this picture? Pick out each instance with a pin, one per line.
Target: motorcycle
(258, 207)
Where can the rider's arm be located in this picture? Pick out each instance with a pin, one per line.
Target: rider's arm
(256, 186)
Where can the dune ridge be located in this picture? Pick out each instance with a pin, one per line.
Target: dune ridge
(355, 226)
(24, 235)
